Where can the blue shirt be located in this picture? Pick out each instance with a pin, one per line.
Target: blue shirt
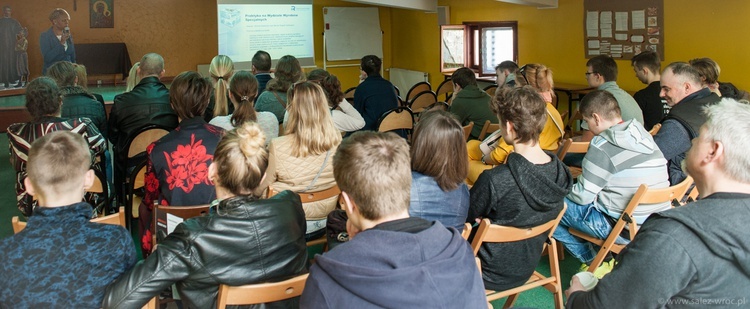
(430, 202)
(62, 260)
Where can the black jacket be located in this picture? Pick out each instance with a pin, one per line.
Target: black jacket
(147, 103)
(78, 103)
(242, 241)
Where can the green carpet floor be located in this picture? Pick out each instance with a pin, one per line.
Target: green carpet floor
(536, 298)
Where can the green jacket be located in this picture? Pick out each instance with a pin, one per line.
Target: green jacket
(473, 105)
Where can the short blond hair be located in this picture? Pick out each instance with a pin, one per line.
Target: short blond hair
(374, 169)
(726, 122)
(310, 123)
(57, 162)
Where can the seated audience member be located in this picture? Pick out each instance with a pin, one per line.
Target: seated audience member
(709, 71)
(681, 87)
(438, 163)
(83, 81)
(470, 104)
(698, 251)
(621, 157)
(527, 191)
(147, 104)
(77, 102)
(392, 260)
(375, 95)
(300, 160)
(243, 239)
(647, 67)
(601, 73)
(288, 71)
(133, 78)
(540, 78)
(43, 102)
(261, 69)
(177, 164)
(506, 74)
(220, 71)
(345, 117)
(61, 260)
(243, 87)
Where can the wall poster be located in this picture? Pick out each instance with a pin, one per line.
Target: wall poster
(623, 29)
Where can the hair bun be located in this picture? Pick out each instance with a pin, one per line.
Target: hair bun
(252, 139)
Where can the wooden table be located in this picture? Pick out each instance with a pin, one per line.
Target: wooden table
(574, 92)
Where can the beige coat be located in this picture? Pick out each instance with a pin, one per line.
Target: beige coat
(287, 172)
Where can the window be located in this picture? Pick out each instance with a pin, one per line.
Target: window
(484, 44)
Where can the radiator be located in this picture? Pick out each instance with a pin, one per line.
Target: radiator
(405, 79)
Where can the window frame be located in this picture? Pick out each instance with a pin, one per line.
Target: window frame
(474, 41)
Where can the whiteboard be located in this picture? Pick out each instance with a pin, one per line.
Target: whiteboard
(352, 33)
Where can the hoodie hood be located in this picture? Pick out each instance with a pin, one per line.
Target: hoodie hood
(719, 221)
(541, 192)
(413, 269)
(631, 136)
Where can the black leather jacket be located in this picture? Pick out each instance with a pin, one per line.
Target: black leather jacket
(147, 103)
(243, 240)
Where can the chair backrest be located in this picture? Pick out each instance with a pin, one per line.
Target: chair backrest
(467, 130)
(490, 90)
(569, 146)
(467, 231)
(488, 128)
(655, 129)
(309, 197)
(422, 100)
(114, 219)
(349, 93)
(446, 88)
(489, 232)
(260, 293)
(145, 137)
(646, 195)
(184, 212)
(397, 118)
(417, 89)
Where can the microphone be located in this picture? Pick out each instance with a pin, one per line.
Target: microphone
(66, 30)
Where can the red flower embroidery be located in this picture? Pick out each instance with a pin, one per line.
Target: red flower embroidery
(146, 242)
(188, 166)
(151, 182)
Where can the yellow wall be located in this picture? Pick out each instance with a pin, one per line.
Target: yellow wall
(554, 37)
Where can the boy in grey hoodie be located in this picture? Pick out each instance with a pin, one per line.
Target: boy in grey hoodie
(620, 158)
(695, 256)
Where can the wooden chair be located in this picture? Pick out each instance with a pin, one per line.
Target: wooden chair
(309, 197)
(692, 195)
(395, 119)
(466, 233)
(569, 146)
(655, 129)
(136, 158)
(152, 303)
(417, 89)
(114, 219)
(467, 130)
(422, 100)
(349, 93)
(493, 233)
(644, 195)
(445, 88)
(260, 293)
(184, 212)
(490, 90)
(488, 128)
(570, 127)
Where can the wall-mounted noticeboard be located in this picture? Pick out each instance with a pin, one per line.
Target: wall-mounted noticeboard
(623, 29)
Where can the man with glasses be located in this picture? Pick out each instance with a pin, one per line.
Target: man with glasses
(601, 72)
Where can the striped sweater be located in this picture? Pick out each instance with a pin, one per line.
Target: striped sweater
(618, 161)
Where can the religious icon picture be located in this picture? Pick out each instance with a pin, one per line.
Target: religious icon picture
(102, 13)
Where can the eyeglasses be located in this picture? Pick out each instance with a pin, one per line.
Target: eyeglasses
(589, 73)
(522, 70)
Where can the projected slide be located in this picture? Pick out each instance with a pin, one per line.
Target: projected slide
(279, 29)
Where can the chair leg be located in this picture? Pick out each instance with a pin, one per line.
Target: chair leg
(600, 256)
(510, 301)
